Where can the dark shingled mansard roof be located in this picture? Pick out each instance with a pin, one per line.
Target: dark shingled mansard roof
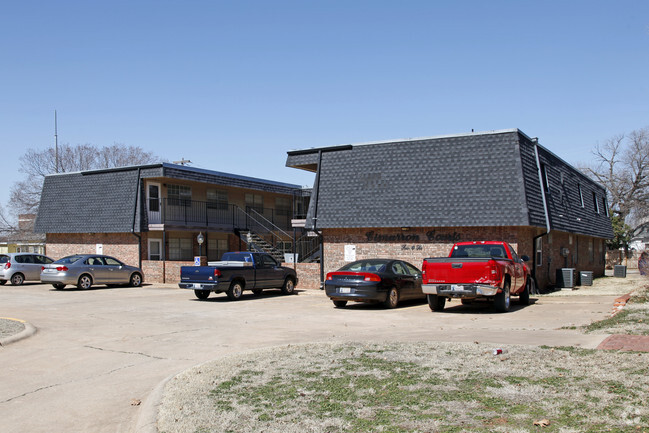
(470, 180)
(110, 200)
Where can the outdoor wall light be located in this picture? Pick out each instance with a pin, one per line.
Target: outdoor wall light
(200, 240)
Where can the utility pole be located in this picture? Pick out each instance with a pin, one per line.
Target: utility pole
(56, 145)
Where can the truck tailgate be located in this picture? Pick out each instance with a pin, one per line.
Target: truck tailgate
(459, 271)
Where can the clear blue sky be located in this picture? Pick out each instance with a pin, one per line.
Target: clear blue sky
(234, 85)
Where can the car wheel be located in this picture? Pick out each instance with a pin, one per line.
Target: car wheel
(340, 304)
(435, 302)
(257, 291)
(289, 286)
(3, 282)
(502, 300)
(202, 294)
(524, 297)
(136, 280)
(17, 279)
(392, 299)
(85, 281)
(235, 291)
(58, 286)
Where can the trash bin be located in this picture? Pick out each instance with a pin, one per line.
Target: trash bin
(566, 278)
(586, 278)
(619, 271)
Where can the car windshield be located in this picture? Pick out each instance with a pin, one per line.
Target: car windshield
(68, 260)
(478, 251)
(365, 266)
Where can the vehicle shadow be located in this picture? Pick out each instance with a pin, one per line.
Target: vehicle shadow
(379, 306)
(93, 288)
(481, 307)
(247, 296)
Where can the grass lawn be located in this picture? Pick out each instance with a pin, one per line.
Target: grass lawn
(423, 387)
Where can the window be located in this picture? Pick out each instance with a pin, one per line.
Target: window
(179, 195)
(581, 195)
(595, 202)
(398, 269)
(546, 184)
(539, 252)
(255, 201)
(217, 199)
(283, 206)
(180, 249)
(155, 249)
(216, 248)
(606, 206)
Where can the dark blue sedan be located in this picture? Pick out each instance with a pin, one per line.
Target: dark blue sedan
(384, 281)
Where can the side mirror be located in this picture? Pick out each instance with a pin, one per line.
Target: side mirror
(525, 258)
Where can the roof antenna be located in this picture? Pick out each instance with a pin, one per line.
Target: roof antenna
(183, 161)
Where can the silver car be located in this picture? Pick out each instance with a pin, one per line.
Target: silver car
(20, 267)
(84, 270)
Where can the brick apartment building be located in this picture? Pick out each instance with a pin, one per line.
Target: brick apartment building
(412, 199)
(151, 215)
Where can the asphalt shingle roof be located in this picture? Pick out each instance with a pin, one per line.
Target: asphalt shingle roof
(471, 180)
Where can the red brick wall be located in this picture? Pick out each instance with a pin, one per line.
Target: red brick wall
(123, 246)
(416, 244)
(308, 274)
(413, 245)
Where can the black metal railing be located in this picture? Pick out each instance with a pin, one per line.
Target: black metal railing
(192, 213)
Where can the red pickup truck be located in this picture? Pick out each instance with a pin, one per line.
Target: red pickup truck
(477, 270)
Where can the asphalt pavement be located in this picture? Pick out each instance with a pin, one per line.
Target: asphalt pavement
(99, 357)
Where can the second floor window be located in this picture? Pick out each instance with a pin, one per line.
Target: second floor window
(256, 202)
(217, 199)
(179, 195)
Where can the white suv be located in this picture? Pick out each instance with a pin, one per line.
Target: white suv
(20, 267)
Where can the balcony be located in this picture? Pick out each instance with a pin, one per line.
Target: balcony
(173, 213)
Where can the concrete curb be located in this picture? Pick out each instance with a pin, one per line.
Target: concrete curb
(147, 420)
(25, 333)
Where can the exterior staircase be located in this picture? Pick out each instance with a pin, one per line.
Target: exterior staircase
(257, 243)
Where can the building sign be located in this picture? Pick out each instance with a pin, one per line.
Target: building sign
(350, 253)
(431, 236)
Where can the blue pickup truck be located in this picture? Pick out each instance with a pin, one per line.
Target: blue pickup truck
(236, 272)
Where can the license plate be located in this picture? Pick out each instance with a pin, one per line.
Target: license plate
(456, 288)
(345, 289)
(198, 286)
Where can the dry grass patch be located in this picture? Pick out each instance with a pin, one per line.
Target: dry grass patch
(421, 387)
(632, 320)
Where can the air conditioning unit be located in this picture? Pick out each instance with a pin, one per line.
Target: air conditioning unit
(566, 278)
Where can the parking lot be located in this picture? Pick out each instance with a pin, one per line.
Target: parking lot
(99, 353)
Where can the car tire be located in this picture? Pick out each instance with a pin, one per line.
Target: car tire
(58, 286)
(502, 300)
(340, 304)
(435, 302)
(524, 297)
(84, 282)
(289, 286)
(235, 291)
(202, 294)
(392, 298)
(3, 282)
(136, 280)
(17, 279)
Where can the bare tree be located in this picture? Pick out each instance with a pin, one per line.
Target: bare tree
(26, 194)
(622, 167)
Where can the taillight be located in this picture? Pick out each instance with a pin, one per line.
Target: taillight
(329, 277)
(61, 268)
(7, 265)
(42, 268)
(217, 273)
(372, 277)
